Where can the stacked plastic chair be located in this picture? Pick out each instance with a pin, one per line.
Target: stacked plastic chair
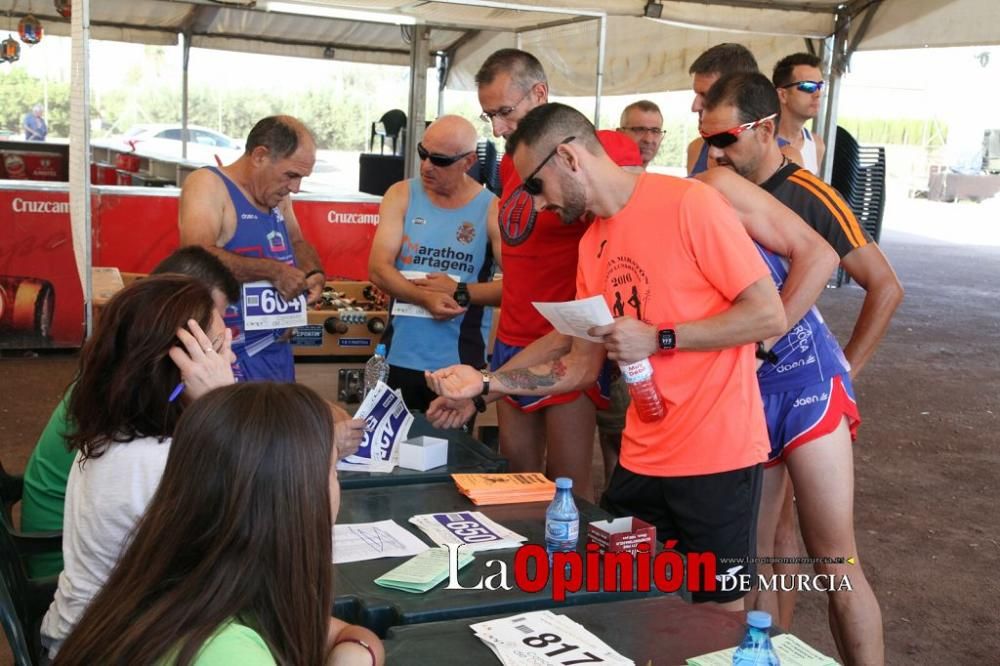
(859, 176)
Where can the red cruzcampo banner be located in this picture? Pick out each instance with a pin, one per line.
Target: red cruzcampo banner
(342, 234)
(41, 300)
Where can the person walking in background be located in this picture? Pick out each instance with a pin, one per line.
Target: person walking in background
(35, 128)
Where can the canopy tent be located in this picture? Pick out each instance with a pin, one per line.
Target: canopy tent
(563, 33)
(613, 46)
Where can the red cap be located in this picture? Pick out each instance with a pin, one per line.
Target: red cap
(619, 147)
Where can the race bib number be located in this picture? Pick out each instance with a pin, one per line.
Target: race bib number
(265, 309)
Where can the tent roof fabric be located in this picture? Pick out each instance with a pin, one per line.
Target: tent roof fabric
(642, 55)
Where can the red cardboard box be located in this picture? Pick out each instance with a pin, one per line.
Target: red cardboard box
(621, 535)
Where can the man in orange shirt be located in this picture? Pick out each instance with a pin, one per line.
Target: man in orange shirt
(697, 296)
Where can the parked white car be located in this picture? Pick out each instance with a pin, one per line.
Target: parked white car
(162, 140)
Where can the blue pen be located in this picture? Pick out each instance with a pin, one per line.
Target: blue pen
(176, 392)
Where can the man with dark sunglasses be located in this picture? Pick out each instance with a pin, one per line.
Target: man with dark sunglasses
(707, 68)
(799, 83)
(675, 254)
(811, 424)
(435, 251)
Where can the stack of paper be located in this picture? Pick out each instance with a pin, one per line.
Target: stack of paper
(470, 529)
(544, 639)
(505, 488)
(387, 423)
(421, 573)
(791, 652)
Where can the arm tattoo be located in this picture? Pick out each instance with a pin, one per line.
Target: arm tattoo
(526, 379)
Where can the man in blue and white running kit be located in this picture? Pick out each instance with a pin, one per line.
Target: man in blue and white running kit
(242, 213)
(435, 251)
(799, 83)
(807, 392)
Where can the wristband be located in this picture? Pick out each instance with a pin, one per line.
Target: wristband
(486, 383)
(315, 271)
(479, 403)
(766, 355)
(363, 644)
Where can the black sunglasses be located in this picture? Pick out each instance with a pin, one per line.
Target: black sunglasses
(533, 184)
(437, 159)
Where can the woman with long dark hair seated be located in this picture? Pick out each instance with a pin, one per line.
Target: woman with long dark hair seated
(125, 402)
(231, 562)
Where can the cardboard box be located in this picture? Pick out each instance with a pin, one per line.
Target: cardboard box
(621, 535)
(423, 453)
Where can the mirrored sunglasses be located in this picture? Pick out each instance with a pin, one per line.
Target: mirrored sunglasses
(728, 137)
(809, 87)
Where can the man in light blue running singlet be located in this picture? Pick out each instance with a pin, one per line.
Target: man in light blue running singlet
(435, 251)
(242, 213)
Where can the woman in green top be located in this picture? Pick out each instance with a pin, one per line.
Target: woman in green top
(231, 562)
(47, 472)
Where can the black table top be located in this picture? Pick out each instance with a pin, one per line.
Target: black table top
(465, 456)
(661, 631)
(360, 600)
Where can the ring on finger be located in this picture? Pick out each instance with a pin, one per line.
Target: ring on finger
(208, 349)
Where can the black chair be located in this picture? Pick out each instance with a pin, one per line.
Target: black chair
(859, 176)
(390, 125)
(23, 600)
(486, 169)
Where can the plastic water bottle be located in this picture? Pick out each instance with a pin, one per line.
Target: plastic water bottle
(645, 397)
(562, 520)
(376, 369)
(756, 648)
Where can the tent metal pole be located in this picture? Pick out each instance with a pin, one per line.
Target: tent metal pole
(79, 162)
(185, 61)
(838, 58)
(419, 62)
(602, 40)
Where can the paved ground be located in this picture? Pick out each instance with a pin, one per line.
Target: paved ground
(927, 459)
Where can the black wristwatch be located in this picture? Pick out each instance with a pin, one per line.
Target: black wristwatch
(486, 382)
(461, 295)
(666, 339)
(479, 403)
(766, 355)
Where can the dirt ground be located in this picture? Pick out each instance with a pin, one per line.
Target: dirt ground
(927, 460)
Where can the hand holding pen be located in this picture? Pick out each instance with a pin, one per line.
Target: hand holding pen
(202, 366)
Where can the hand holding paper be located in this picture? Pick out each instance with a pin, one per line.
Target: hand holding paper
(627, 340)
(576, 318)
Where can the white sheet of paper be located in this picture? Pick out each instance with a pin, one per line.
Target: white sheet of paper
(576, 644)
(372, 541)
(404, 309)
(577, 317)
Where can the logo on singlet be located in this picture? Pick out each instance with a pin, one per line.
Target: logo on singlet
(517, 217)
(466, 233)
(276, 241)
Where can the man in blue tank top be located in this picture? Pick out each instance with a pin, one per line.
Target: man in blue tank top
(435, 251)
(242, 213)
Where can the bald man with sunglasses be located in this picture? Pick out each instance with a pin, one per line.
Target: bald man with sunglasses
(435, 250)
